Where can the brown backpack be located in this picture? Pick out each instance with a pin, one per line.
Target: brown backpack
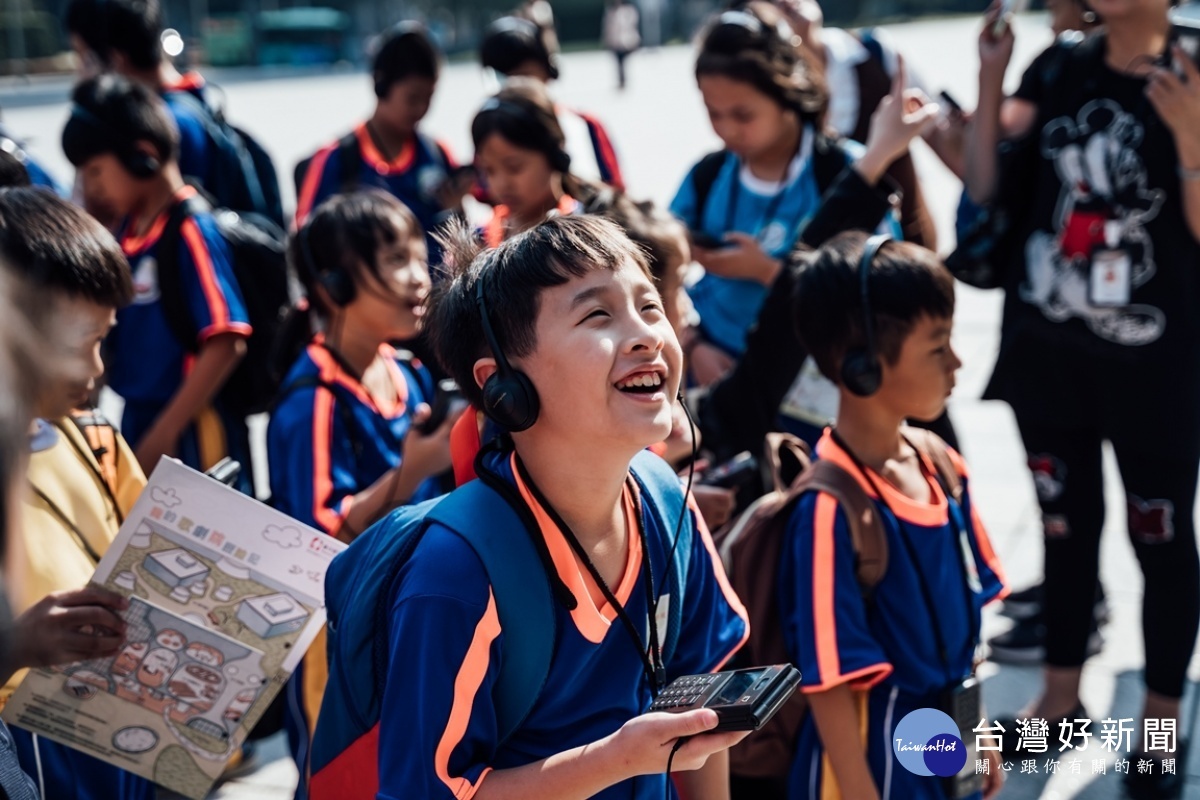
(751, 549)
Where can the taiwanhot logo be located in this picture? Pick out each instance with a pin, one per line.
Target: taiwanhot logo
(926, 742)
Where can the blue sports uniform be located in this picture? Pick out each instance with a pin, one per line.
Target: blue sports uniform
(146, 363)
(886, 651)
(185, 100)
(70, 774)
(324, 445)
(437, 735)
(413, 177)
(774, 215)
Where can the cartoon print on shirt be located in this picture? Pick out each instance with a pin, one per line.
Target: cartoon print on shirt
(1105, 203)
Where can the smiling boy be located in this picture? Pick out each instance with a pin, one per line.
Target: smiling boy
(570, 305)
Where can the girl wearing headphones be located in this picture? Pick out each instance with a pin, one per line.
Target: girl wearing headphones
(342, 443)
(748, 204)
(519, 150)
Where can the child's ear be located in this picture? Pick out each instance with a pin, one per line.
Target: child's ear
(484, 369)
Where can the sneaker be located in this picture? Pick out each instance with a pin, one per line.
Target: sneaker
(1025, 643)
(1155, 785)
(1027, 605)
(1012, 736)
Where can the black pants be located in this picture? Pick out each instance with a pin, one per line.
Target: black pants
(621, 55)
(1160, 485)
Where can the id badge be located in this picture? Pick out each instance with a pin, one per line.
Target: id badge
(1110, 283)
(963, 702)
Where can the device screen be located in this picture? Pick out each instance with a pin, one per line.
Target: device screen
(737, 686)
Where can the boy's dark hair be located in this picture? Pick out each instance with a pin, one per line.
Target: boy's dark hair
(404, 51)
(12, 169)
(130, 27)
(905, 283)
(516, 273)
(111, 114)
(649, 227)
(51, 244)
(511, 41)
(753, 45)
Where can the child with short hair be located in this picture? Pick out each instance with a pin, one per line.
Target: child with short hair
(122, 140)
(343, 443)
(876, 315)
(570, 304)
(73, 507)
(388, 151)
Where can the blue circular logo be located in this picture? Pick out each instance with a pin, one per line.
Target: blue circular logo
(926, 742)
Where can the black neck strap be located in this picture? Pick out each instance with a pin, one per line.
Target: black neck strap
(652, 662)
(910, 550)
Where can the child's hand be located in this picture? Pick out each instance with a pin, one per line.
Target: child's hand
(743, 259)
(716, 504)
(643, 745)
(900, 118)
(66, 627)
(428, 455)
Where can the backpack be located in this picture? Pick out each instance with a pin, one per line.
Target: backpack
(259, 258)
(753, 545)
(361, 582)
(828, 163)
(244, 175)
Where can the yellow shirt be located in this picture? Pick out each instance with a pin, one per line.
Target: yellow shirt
(66, 483)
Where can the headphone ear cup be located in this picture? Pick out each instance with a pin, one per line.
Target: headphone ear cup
(139, 164)
(861, 374)
(338, 286)
(560, 161)
(511, 401)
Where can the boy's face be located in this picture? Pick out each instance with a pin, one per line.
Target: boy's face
(598, 336)
(407, 103)
(109, 186)
(921, 380)
(77, 327)
(394, 306)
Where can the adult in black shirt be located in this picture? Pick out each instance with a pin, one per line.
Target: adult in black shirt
(1100, 326)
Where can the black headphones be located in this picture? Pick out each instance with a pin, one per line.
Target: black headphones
(509, 397)
(560, 159)
(861, 371)
(136, 162)
(334, 280)
(525, 31)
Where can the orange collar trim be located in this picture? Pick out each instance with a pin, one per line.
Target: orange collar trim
(930, 515)
(592, 620)
(370, 153)
(132, 245)
(331, 372)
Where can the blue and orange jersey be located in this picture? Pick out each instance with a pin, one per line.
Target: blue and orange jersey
(438, 731)
(329, 439)
(197, 156)
(146, 363)
(413, 177)
(884, 648)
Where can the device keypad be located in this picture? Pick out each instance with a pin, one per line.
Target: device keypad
(683, 692)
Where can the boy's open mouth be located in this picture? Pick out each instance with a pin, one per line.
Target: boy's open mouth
(642, 383)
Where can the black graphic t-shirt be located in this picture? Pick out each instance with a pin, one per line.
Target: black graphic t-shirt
(1101, 312)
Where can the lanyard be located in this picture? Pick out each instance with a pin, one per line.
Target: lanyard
(735, 192)
(962, 548)
(652, 664)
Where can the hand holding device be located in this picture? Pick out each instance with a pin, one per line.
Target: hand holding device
(744, 699)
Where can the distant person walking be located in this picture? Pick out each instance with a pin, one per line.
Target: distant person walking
(621, 34)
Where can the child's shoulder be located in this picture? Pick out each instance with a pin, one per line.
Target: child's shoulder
(444, 565)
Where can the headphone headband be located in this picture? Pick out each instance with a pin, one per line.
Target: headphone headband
(870, 250)
(861, 371)
(509, 397)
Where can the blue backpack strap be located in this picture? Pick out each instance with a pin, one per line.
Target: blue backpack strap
(660, 485)
(874, 46)
(524, 601)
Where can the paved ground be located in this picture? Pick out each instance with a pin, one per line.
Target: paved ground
(660, 129)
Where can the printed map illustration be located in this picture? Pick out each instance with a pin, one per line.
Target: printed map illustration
(226, 596)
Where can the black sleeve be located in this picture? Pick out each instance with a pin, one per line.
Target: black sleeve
(1032, 86)
(742, 408)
